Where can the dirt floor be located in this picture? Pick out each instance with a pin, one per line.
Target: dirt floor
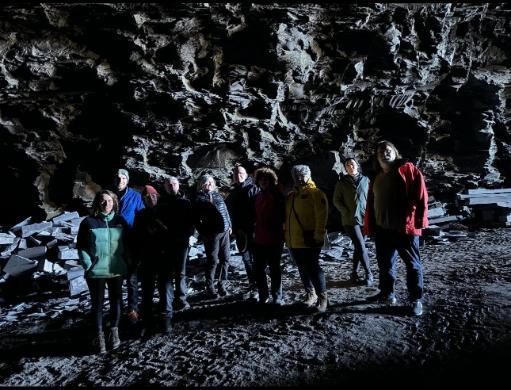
(462, 340)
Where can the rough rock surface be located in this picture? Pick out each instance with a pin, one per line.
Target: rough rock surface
(461, 341)
(187, 88)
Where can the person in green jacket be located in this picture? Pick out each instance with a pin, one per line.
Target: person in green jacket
(102, 251)
(350, 198)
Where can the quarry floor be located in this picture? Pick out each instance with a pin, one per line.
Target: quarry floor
(463, 339)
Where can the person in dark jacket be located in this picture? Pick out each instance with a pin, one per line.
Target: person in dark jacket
(269, 213)
(130, 203)
(239, 202)
(149, 234)
(397, 208)
(102, 250)
(214, 225)
(350, 198)
(178, 217)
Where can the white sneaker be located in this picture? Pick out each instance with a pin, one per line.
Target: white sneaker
(417, 308)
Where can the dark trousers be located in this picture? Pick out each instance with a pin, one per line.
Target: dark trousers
(268, 256)
(360, 254)
(132, 285)
(162, 275)
(307, 260)
(178, 255)
(218, 251)
(97, 296)
(389, 244)
(248, 261)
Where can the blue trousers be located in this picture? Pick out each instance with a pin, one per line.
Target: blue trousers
(389, 244)
(360, 254)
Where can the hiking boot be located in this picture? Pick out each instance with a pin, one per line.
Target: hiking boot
(354, 278)
(99, 342)
(211, 293)
(115, 337)
(182, 305)
(222, 291)
(310, 299)
(147, 329)
(369, 281)
(251, 294)
(133, 317)
(416, 307)
(167, 326)
(389, 299)
(323, 302)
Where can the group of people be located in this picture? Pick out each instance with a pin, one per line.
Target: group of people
(145, 237)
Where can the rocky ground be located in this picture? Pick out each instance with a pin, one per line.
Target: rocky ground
(462, 340)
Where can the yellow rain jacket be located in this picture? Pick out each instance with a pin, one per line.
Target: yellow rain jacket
(311, 206)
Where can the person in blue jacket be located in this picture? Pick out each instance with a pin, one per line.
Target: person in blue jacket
(130, 203)
(102, 250)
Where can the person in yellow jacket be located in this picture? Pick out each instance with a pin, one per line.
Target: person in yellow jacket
(306, 216)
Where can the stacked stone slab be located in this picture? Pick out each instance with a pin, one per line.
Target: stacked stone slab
(46, 248)
(438, 230)
(490, 207)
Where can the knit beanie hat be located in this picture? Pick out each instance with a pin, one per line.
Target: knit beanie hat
(123, 172)
(148, 190)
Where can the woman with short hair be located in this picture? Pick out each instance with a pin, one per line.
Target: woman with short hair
(350, 198)
(214, 225)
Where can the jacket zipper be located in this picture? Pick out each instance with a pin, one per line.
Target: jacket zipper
(109, 245)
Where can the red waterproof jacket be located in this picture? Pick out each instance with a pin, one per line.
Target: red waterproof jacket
(416, 206)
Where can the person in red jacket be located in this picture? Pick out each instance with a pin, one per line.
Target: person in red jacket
(269, 209)
(397, 207)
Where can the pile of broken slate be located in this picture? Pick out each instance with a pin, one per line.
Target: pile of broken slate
(44, 249)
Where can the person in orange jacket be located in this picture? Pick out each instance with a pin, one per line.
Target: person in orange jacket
(396, 213)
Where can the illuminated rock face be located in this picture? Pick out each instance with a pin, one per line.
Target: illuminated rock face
(185, 89)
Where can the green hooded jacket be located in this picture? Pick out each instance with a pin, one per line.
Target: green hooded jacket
(351, 199)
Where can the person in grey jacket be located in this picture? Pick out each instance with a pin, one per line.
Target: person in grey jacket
(350, 198)
(214, 225)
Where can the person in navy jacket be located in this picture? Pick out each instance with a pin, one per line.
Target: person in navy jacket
(130, 203)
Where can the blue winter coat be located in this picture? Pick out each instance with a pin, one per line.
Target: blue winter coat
(130, 204)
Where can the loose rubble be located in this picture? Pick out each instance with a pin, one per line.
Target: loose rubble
(42, 249)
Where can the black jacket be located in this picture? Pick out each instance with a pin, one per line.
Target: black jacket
(148, 236)
(240, 203)
(210, 213)
(177, 214)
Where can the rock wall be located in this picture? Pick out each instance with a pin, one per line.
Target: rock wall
(183, 89)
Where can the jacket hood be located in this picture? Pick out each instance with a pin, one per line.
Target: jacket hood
(308, 185)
